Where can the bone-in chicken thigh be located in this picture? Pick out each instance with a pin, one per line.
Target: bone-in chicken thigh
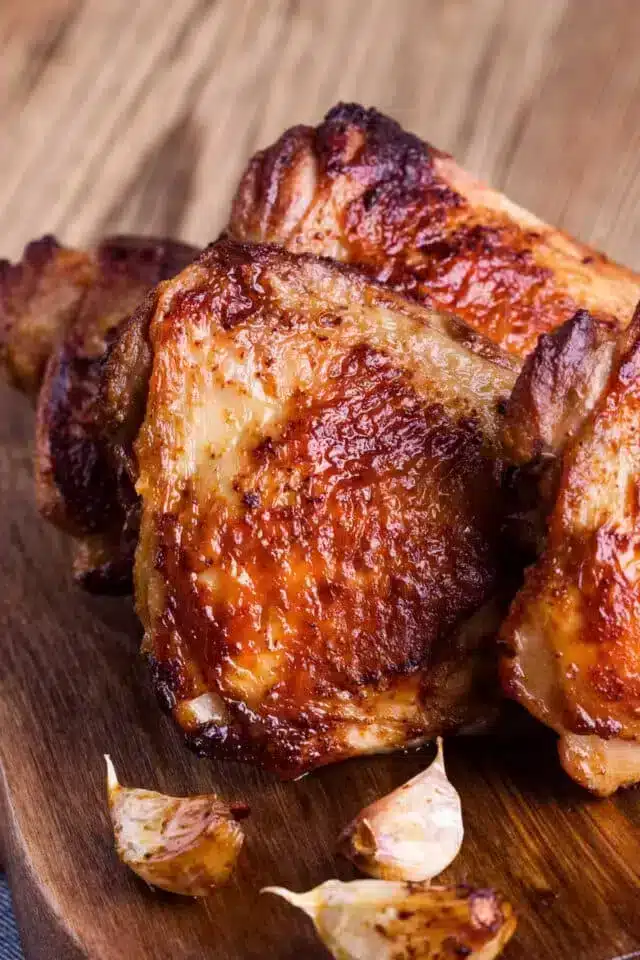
(361, 189)
(58, 310)
(319, 569)
(572, 633)
(39, 298)
(78, 486)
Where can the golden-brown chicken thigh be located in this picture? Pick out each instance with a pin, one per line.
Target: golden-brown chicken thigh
(319, 569)
(361, 189)
(573, 632)
(78, 486)
(39, 298)
(58, 310)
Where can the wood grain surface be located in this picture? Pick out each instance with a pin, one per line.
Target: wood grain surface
(127, 115)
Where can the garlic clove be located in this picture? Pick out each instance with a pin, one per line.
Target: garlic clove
(186, 845)
(390, 920)
(413, 833)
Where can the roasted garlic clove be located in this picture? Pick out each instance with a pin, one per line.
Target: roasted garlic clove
(389, 920)
(187, 845)
(411, 834)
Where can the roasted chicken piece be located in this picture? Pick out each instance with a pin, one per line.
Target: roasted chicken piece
(38, 299)
(572, 634)
(78, 486)
(360, 189)
(319, 570)
(59, 309)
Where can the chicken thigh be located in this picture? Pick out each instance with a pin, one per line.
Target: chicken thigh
(572, 637)
(319, 570)
(361, 189)
(58, 310)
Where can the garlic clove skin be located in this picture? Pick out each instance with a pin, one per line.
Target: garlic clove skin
(390, 920)
(413, 833)
(186, 845)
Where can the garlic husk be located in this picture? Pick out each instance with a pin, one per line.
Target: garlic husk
(390, 920)
(412, 834)
(186, 845)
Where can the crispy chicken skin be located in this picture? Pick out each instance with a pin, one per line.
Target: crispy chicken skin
(360, 189)
(572, 633)
(319, 564)
(59, 310)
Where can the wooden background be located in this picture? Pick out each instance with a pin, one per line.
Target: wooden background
(125, 115)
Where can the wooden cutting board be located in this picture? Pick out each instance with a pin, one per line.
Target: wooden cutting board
(140, 116)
